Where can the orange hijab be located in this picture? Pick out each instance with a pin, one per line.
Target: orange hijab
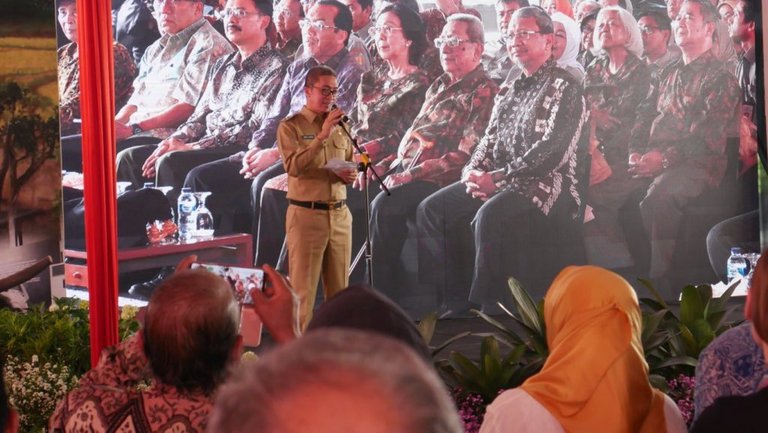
(595, 378)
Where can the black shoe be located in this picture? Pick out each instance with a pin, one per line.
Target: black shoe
(144, 290)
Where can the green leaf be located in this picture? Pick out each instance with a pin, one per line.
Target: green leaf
(651, 323)
(703, 333)
(448, 342)
(678, 361)
(427, 327)
(691, 305)
(525, 306)
(719, 304)
(655, 293)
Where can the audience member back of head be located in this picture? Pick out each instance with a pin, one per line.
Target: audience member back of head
(336, 380)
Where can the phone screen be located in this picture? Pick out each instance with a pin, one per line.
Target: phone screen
(242, 280)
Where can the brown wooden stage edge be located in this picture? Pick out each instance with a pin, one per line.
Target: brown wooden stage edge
(235, 250)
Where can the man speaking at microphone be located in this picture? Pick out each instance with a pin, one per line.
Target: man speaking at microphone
(317, 156)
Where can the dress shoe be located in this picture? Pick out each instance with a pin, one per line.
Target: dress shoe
(144, 290)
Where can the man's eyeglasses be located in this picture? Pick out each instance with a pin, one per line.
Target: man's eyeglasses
(523, 35)
(647, 30)
(327, 91)
(284, 11)
(383, 30)
(317, 25)
(451, 42)
(238, 13)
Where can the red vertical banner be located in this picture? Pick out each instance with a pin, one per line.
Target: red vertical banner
(97, 101)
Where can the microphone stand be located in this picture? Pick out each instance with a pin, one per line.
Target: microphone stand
(363, 167)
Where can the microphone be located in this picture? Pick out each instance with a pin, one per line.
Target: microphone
(344, 118)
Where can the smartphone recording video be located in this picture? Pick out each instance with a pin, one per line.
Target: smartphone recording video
(242, 280)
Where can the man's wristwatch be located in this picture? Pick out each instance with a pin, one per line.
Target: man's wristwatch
(135, 128)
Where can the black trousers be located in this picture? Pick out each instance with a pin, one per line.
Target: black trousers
(72, 149)
(172, 168)
(389, 231)
(469, 248)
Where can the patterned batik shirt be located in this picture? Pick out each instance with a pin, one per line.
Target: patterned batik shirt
(732, 364)
(619, 94)
(659, 65)
(452, 121)
(174, 69)
(289, 48)
(531, 144)
(690, 115)
(291, 98)
(110, 398)
(69, 83)
(386, 108)
(498, 64)
(236, 100)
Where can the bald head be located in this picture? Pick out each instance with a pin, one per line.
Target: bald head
(191, 330)
(336, 380)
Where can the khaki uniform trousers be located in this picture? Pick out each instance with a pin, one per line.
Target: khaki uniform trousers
(319, 243)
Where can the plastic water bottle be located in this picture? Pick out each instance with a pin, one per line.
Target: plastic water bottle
(738, 265)
(187, 221)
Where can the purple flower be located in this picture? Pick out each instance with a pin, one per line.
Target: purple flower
(681, 391)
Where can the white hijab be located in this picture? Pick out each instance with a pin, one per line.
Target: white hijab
(572, 44)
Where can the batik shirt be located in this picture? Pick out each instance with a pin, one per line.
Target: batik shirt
(108, 399)
(659, 65)
(175, 69)
(69, 83)
(236, 100)
(746, 74)
(618, 94)
(386, 108)
(289, 48)
(452, 119)
(498, 64)
(731, 365)
(690, 115)
(530, 146)
(291, 98)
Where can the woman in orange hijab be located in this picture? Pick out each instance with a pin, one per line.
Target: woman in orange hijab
(595, 378)
(552, 6)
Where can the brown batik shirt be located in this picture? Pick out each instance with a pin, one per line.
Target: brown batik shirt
(452, 120)
(619, 94)
(69, 83)
(386, 108)
(689, 116)
(109, 398)
(237, 99)
(531, 142)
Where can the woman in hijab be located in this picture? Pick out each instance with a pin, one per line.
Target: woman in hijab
(567, 41)
(595, 378)
(744, 414)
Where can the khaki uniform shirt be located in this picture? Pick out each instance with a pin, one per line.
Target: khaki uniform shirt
(304, 157)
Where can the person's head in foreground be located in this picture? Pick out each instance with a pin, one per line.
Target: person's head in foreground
(365, 309)
(756, 307)
(191, 331)
(595, 378)
(744, 413)
(333, 381)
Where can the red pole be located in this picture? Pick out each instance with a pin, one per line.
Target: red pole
(97, 106)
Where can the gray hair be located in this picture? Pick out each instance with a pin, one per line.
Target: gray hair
(475, 29)
(338, 359)
(634, 43)
(543, 20)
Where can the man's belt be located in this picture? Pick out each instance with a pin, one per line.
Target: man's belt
(319, 205)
